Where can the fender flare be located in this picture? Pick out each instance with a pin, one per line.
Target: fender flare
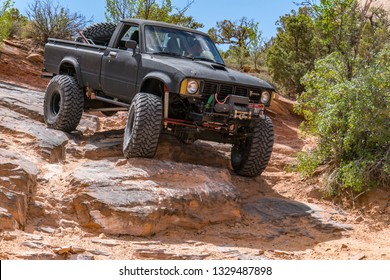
(164, 78)
(76, 65)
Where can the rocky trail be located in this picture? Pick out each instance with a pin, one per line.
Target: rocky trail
(74, 196)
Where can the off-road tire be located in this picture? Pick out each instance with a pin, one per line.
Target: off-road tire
(99, 33)
(63, 103)
(143, 126)
(250, 157)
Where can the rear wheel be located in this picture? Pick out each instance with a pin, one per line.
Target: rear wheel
(143, 126)
(63, 103)
(250, 157)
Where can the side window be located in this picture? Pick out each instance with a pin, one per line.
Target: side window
(130, 32)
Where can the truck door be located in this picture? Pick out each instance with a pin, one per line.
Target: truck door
(120, 66)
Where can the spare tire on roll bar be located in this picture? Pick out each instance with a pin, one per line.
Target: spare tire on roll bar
(97, 34)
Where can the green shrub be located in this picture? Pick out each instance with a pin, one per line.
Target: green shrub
(351, 118)
(11, 21)
(4, 21)
(308, 162)
(4, 28)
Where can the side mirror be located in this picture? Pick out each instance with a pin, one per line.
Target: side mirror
(131, 44)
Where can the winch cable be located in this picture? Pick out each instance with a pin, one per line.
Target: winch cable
(224, 101)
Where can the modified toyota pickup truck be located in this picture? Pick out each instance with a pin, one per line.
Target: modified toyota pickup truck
(170, 79)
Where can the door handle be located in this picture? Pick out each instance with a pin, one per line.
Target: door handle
(112, 54)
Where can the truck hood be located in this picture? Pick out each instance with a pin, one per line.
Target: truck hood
(204, 70)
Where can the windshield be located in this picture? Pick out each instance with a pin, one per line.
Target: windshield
(169, 41)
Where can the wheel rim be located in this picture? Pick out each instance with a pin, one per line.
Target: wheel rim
(55, 104)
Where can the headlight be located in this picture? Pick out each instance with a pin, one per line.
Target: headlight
(265, 97)
(192, 87)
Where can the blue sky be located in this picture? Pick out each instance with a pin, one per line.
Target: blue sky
(208, 12)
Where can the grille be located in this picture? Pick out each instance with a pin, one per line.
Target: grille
(241, 91)
(224, 90)
(209, 89)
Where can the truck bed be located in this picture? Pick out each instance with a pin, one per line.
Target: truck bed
(59, 53)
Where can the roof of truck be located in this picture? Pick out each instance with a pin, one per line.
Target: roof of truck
(160, 23)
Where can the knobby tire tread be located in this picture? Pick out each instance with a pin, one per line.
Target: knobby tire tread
(258, 153)
(145, 133)
(72, 103)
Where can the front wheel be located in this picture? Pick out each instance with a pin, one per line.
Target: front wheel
(63, 104)
(143, 126)
(250, 157)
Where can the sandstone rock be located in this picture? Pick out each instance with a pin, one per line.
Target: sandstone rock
(280, 252)
(37, 208)
(51, 143)
(270, 209)
(35, 57)
(82, 257)
(161, 254)
(101, 150)
(17, 173)
(151, 197)
(283, 106)
(34, 237)
(18, 178)
(7, 221)
(278, 108)
(8, 236)
(23, 101)
(99, 253)
(41, 255)
(283, 149)
(358, 257)
(100, 145)
(88, 125)
(13, 44)
(30, 103)
(200, 152)
(359, 219)
(63, 250)
(47, 229)
(33, 245)
(13, 210)
(332, 226)
(105, 242)
(11, 48)
(67, 224)
(233, 254)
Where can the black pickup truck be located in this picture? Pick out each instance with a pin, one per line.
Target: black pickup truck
(170, 79)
